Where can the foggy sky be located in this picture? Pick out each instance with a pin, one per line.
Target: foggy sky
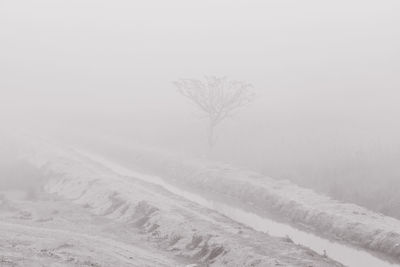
(317, 66)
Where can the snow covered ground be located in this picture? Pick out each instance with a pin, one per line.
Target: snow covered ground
(89, 215)
(282, 200)
(51, 232)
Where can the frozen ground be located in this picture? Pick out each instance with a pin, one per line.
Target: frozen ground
(88, 215)
(282, 200)
(55, 232)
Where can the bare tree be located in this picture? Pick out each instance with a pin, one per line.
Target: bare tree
(218, 98)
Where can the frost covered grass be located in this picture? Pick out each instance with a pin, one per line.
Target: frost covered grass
(167, 222)
(298, 206)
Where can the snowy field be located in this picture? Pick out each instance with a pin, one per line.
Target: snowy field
(281, 200)
(87, 215)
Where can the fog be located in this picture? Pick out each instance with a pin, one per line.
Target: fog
(326, 77)
(111, 154)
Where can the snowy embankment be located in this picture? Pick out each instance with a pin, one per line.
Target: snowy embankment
(171, 224)
(285, 201)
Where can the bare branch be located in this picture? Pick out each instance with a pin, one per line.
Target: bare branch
(218, 97)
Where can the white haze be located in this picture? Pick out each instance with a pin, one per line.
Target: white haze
(326, 74)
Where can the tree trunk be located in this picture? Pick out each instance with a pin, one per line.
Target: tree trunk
(211, 136)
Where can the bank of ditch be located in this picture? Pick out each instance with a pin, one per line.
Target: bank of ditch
(292, 204)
